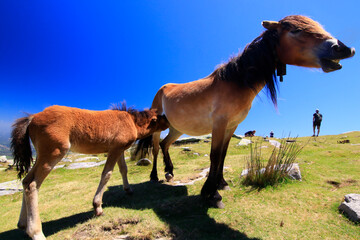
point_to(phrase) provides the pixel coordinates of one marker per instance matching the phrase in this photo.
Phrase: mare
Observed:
(58, 129)
(217, 103)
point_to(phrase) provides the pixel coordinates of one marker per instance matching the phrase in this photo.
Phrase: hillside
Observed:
(293, 210)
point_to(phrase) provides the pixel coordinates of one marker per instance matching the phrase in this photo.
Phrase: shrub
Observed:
(276, 169)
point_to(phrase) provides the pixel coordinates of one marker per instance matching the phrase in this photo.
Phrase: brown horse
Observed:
(58, 129)
(219, 102)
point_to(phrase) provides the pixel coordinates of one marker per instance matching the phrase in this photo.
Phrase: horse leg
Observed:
(31, 184)
(165, 144)
(223, 185)
(123, 171)
(155, 152)
(209, 190)
(105, 177)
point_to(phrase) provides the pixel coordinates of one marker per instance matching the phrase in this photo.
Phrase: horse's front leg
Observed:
(123, 171)
(223, 185)
(209, 190)
(113, 156)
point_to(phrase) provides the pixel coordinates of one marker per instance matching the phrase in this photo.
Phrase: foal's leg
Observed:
(31, 184)
(123, 171)
(155, 152)
(113, 157)
(165, 144)
(223, 185)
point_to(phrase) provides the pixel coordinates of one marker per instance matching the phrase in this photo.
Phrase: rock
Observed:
(66, 160)
(244, 142)
(197, 154)
(143, 162)
(186, 149)
(275, 143)
(10, 187)
(3, 159)
(351, 206)
(86, 158)
(294, 171)
(237, 136)
(85, 165)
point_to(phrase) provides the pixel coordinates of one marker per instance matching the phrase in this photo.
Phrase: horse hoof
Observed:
(129, 191)
(226, 188)
(215, 203)
(21, 226)
(98, 212)
(169, 177)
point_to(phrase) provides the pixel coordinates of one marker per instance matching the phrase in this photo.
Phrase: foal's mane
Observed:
(140, 117)
(256, 64)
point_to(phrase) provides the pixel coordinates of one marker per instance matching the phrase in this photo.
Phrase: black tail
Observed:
(20, 145)
(143, 148)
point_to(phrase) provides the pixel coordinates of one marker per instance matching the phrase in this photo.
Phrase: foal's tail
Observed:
(20, 145)
(143, 148)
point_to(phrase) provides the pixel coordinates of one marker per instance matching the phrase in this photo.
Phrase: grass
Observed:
(275, 170)
(296, 210)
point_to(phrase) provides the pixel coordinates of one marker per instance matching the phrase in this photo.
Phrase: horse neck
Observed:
(255, 67)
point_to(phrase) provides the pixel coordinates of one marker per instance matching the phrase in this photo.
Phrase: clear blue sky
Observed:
(90, 54)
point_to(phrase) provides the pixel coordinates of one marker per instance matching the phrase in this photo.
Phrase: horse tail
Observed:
(143, 148)
(20, 145)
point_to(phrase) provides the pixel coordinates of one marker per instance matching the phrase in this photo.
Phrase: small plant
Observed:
(277, 167)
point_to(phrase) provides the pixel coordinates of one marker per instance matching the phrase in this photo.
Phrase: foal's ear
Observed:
(270, 25)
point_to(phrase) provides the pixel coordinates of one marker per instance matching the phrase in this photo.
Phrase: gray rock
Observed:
(244, 142)
(144, 162)
(351, 206)
(10, 187)
(85, 165)
(293, 171)
(3, 159)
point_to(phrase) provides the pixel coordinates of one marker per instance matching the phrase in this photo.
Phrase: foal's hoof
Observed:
(98, 212)
(129, 191)
(169, 177)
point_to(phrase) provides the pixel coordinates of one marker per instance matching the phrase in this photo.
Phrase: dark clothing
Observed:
(317, 118)
(316, 124)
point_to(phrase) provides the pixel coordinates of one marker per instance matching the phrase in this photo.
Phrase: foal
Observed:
(58, 129)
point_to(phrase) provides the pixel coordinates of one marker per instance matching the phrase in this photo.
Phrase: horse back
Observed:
(82, 130)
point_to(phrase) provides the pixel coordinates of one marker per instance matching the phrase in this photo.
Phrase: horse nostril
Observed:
(337, 48)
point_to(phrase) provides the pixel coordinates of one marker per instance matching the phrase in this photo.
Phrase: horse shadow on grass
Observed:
(186, 215)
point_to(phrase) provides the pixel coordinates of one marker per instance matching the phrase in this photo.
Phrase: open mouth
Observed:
(329, 65)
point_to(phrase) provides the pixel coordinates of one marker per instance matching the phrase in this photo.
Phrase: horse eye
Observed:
(295, 31)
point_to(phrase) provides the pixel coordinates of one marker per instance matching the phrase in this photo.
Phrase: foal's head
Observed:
(148, 122)
(304, 42)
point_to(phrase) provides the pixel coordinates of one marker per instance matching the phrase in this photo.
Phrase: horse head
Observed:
(304, 42)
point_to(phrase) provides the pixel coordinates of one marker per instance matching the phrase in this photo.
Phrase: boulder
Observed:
(351, 206)
(3, 159)
(143, 162)
(293, 171)
(244, 142)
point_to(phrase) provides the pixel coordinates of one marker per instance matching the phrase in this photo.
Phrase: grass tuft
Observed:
(261, 174)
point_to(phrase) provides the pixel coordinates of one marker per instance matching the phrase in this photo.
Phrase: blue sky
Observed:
(90, 54)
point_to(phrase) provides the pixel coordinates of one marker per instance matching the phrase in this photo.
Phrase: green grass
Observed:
(292, 210)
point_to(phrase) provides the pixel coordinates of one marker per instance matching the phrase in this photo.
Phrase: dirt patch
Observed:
(105, 231)
(345, 183)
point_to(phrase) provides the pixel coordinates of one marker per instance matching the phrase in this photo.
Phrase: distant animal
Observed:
(219, 102)
(343, 141)
(58, 129)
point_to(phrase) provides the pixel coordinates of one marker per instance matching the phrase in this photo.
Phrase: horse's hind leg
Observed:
(113, 157)
(123, 171)
(31, 184)
(165, 144)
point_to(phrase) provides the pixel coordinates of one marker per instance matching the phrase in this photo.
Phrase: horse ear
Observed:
(270, 25)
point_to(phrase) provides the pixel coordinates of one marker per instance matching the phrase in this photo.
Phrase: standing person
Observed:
(317, 118)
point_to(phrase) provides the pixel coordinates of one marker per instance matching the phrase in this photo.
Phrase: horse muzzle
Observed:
(331, 52)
